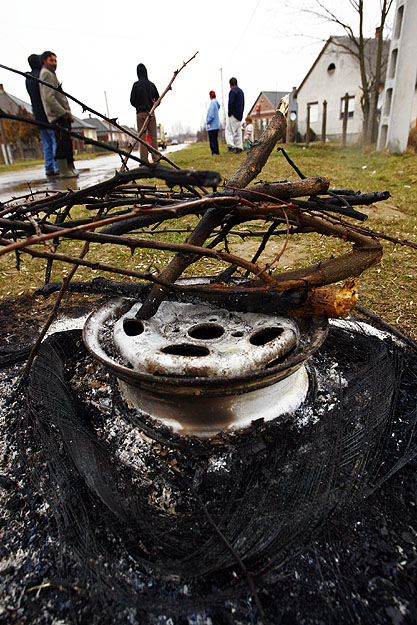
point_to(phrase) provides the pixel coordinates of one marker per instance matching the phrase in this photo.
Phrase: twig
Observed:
(184, 248)
(150, 113)
(386, 326)
(52, 315)
(111, 121)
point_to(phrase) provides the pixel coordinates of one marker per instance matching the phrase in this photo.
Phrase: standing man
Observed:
(47, 134)
(58, 112)
(142, 97)
(235, 115)
(213, 123)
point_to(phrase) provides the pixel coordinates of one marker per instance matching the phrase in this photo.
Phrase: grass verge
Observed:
(389, 289)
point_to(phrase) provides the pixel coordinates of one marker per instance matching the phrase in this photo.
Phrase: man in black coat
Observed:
(143, 95)
(47, 134)
(235, 108)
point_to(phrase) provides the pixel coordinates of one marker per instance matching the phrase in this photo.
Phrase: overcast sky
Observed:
(269, 45)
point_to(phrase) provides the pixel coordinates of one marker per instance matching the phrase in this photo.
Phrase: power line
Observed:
(246, 28)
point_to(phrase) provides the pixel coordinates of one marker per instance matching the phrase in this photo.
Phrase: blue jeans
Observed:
(49, 148)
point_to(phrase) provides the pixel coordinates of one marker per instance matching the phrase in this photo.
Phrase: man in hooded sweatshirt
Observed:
(143, 95)
(58, 112)
(47, 134)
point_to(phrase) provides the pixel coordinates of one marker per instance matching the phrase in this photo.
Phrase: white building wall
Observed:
(332, 85)
(414, 110)
(399, 93)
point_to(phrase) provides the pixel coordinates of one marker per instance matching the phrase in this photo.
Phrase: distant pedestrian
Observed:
(142, 97)
(235, 114)
(213, 123)
(47, 134)
(248, 133)
(58, 112)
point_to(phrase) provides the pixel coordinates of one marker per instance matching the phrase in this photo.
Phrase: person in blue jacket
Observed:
(213, 123)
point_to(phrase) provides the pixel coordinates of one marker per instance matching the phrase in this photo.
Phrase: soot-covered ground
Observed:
(357, 566)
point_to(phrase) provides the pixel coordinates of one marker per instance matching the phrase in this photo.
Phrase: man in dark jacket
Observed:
(47, 134)
(143, 95)
(235, 114)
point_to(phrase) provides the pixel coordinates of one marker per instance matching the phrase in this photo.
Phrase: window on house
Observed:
(331, 68)
(399, 23)
(351, 106)
(314, 111)
(393, 65)
(388, 101)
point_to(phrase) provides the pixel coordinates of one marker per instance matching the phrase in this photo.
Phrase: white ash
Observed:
(366, 328)
(63, 324)
(329, 380)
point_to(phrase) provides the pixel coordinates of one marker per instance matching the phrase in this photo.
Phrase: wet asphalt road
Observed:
(18, 183)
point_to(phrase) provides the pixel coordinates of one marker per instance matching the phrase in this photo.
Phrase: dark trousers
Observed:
(63, 140)
(214, 144)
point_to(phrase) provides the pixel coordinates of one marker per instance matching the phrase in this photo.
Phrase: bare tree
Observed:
(370, 61)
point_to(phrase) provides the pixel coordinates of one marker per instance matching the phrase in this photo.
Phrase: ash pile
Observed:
(112, 516)
(211, 450)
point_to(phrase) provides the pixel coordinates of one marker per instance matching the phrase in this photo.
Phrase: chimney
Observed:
(377, 32)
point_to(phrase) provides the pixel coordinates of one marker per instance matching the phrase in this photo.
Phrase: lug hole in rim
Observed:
(133, 327)
(186, 350)
(266, 335)
(206, 331)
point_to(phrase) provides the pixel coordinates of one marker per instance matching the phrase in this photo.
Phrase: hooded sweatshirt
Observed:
(32, 88)
(144, 93)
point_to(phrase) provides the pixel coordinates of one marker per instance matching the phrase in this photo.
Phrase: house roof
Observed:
(98, 124)
(130, 129)
(11, 104)
(81, 123)
(274, 97)
(346, 44)
(101, 126)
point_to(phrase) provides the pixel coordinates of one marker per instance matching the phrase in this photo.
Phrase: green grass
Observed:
(389, 289)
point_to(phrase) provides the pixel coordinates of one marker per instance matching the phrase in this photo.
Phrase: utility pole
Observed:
(308, 125)
(224, 110)
(345, 118)
(108, 115)
(323, 122)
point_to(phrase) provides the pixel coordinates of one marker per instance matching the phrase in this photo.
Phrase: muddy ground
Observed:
(359, 567)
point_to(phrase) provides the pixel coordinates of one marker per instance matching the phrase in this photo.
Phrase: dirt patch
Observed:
(292, 255)
(383, 210)
(22, 318)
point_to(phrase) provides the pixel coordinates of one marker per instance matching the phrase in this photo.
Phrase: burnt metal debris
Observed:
(157, 523)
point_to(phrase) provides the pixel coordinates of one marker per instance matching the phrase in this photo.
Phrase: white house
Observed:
(334, 73)
(400, 101)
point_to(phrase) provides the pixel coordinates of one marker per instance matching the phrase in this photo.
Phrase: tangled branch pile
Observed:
(118, 210)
